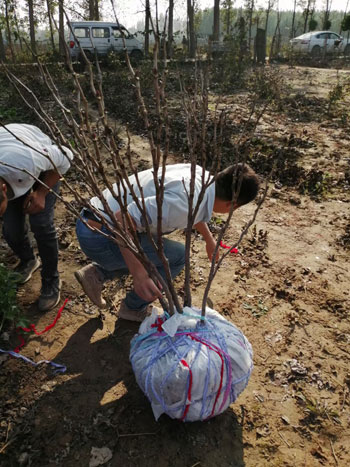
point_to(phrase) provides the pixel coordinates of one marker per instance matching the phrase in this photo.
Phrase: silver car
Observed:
(318, 43)
(101, 38)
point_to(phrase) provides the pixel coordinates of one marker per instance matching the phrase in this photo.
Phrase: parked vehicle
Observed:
(103, 38)
(318, 42)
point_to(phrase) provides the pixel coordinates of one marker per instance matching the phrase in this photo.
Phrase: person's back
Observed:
(175, 204)
(233, 187)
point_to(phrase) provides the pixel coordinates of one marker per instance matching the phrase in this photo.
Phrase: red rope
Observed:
(221, 371)
(189, 392)
(158, 324)
(32, 327)
(233, 250)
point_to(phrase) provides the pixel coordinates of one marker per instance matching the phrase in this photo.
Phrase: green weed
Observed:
(258, 310)
(9, 310)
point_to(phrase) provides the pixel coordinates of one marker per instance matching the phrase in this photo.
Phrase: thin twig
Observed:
(126, 435)
(333, 452)
(345, 392)
(283, 439)
(7, 444)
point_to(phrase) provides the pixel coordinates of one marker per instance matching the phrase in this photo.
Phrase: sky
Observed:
(131, 11)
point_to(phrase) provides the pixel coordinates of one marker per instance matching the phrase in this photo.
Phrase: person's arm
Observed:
(144, 286)
(35, 201)
(210, 241)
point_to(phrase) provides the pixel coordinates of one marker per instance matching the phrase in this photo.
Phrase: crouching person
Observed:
(110, 260)
(27, 154)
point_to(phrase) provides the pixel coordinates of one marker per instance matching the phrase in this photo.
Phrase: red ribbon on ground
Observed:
(38, 333)
(233, 250)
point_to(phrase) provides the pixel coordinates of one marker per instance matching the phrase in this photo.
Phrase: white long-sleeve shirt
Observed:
(39, 156)
(175, 203)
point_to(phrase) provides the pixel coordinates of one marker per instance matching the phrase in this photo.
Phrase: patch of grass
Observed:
(257, 310)
(10, 313)
(317, 410)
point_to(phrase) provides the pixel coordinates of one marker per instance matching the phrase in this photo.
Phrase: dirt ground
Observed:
(287, 290)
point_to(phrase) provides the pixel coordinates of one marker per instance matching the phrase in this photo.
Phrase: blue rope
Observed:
(151, 350)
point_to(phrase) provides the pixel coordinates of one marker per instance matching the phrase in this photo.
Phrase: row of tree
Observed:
(216, 23)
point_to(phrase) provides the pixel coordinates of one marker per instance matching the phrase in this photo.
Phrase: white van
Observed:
(103, 38)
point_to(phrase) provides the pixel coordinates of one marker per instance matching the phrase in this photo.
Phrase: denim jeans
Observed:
(16, 233)
(107, 257)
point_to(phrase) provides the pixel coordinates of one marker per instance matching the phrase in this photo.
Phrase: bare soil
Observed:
(287, 289)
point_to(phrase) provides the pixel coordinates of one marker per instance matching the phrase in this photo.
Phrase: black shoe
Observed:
(50, 295)
(26, 268)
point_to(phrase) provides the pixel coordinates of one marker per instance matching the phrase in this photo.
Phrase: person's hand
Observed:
(210, 247)
(145, 288)
(34, 203)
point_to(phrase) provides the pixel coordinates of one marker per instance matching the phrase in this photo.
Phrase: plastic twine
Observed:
(186, 348)
(58, 368)
(32, 327)
(233, 250)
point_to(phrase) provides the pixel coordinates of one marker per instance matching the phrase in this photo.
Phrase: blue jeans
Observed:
(110, 263)
(16, 233)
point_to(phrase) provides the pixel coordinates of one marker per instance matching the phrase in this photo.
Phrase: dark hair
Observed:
(228, 180)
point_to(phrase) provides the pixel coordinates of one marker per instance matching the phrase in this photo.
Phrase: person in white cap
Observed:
(26, 156)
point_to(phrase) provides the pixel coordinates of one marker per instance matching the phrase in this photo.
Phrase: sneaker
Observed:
(134, 315)
(50, 295)
(89, 278)
(26, 268)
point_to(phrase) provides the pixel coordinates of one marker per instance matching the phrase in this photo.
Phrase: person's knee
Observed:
(178, 255)
(40, 227)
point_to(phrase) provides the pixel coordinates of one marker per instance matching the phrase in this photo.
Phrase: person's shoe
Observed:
(49, 296)
(26, 268)
(133, 315)
(88, 277)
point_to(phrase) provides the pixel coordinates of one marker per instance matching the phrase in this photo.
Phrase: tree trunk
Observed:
(216, 22)
(250, 24)
(191, 33)
(307, 13)
(18, 32)
(269, 5)
(32, 27)
(2, 48)
(326, 16)
(242, 40)
(49, 13)
(228, 16)
(96, 11)
(275, 36)
(346, 9)
(61, 28)
(292, 32)
(8, 31)
(171, 28)
(147, 18)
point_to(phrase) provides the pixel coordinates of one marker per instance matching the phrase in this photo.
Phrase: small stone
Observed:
(100, 456)
(23, 458)
(5, 336)
(285, 419)
(295, 201)
(3, 358)
(45, 387)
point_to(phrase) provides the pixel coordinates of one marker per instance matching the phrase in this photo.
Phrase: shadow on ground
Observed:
(98, 404)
